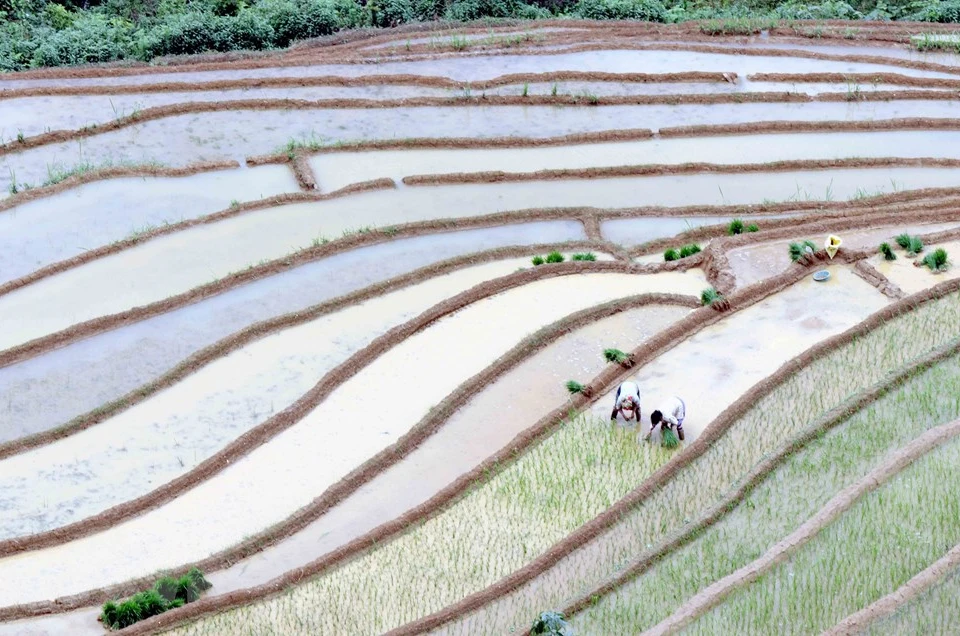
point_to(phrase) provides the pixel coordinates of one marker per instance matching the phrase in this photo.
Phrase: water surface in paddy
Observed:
(182, 139)
(58, 227)
(472, 68)
(178, 262)
(49, 390)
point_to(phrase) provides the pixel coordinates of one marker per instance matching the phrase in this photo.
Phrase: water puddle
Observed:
(47, 391)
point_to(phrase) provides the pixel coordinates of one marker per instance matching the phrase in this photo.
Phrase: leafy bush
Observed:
(588, 256)
(827, 10)
(90, 38)
(464, 10)
(735, 227)
(554, 257)
(887, 252)
(934, 11)
(551, 624)
(646, 10)
(689, 250)
(537, 260)
(671, 255)
(297, 20)
(936, 260)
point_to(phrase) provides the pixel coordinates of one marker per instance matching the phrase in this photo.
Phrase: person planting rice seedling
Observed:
(670, 418)
(627, 402)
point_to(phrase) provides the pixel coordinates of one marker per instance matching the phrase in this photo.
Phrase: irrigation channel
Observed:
(306, 321)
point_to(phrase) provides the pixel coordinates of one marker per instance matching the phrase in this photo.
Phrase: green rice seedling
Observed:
(128, 613)
(587, 256)
(936, 260)
(196, 575)
(887, 252)
(615, 355)
(555, 257)
(537, 260)
(574, 387)
(109, 614)
(689, 250)
(551, 624)
(526, 90)
(187, 589)
(553, 90)
(669, 439)
(735, 227)
(903, 240)
(916, 245)
(166, 587)
(150, 602)
(798, 250)
(708, 295)
(671, 255)
(753, 227)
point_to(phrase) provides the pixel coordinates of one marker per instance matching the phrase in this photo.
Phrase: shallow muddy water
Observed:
(49, 390)
(182, 139)
(338, 169)
(65, 225)
(487, 422)
(276, 479)
(756, 262)
(178, 262)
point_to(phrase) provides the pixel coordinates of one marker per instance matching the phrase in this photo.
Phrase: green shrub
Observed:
(57, 16)
(615, 355)
(551, 624)
(826, 10)
(903, 240)
(645, 10)
(735, 227)
(554, 257)
(671, 255)
(934, 11)
(916, 245)
(91, 38)
(573, 386)
(936, 260)
(537, 260)
(753, 227)
(465, 10)
(390, 13)
(292, 20)
(588, 256)
(689, 250)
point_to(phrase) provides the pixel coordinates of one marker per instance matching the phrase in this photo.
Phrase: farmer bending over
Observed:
(670, 415)
(628, 402)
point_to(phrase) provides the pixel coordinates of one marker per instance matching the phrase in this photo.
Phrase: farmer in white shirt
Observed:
(628, 402)
(670, 414)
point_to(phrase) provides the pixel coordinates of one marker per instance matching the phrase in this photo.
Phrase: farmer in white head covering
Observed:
(628, 402)
(670, 415)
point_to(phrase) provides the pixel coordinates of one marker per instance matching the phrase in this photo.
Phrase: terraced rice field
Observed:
(286, 319)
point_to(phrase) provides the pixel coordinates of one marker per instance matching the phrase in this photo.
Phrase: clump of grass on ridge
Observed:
(555, 257)
(797, 250)
(736, 227)
(887, 252)
(615, 355)
(936, 260)
(689, 250)
(574, 387)
(586, 256)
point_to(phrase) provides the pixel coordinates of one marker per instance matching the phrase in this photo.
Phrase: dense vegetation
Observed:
(38, 33)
